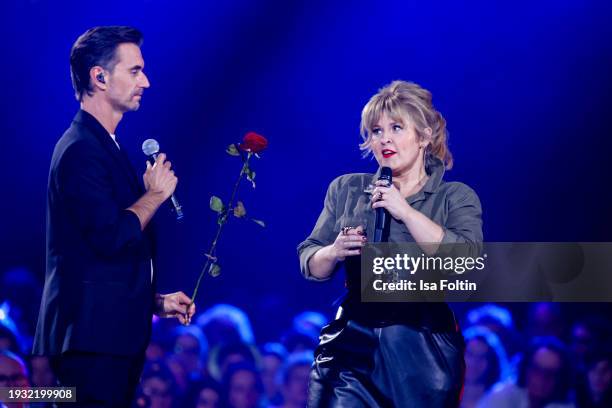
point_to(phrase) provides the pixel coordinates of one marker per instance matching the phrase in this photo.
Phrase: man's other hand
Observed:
(176, 305)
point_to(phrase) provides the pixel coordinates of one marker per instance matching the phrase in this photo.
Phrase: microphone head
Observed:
(386, 174)
(150, 147)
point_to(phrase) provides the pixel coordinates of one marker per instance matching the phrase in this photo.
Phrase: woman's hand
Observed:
(425, 232)
(349, 242)
(391, 200)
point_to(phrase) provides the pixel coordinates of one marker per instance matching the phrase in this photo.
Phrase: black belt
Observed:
(433, 316)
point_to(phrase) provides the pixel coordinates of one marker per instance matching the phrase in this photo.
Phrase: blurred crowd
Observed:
(548, 360)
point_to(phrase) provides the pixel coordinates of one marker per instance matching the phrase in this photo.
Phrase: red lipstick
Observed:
(388, 153)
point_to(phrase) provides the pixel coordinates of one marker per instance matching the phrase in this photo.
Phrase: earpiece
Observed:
(100, 78)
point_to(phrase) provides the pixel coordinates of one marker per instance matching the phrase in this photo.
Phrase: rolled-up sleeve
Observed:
(85, 186)
(323, 233)
(464, 222)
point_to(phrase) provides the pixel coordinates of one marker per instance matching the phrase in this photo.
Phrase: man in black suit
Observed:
(99, 295)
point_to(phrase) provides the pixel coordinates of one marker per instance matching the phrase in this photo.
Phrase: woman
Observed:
(392, 354)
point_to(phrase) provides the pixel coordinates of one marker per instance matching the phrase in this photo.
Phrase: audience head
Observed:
(158, 385)
(8, 335)
(190, 348)
(545, 320)
(224, 323)
(41, 372)
(545, 371)
(599, 377)
(273, 357)
(296, 375)
(205, 393)
(309, 322)
(242, 387)
(485, 357)
(224, 355)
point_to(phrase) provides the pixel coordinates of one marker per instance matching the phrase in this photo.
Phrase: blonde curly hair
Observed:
(407, 98)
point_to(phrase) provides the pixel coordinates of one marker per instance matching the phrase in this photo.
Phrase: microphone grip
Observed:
(379, 227)
(378, 232)
(177, 207)
(382, 217)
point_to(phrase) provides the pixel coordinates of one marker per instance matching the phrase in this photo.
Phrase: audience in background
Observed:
(217, 364)
(157, 384)
(594, 388)
(309, 322)
(8, 335)
(499, 320)
(545, 319)
(226, 354)
(225, 324)
(41, 373)
(485, 364)
(296, 374)
(13, 373)
(242, 386)
(544, 379)
(588, 334)
(273, 356)
(205, 393)
(298, 339)
(189, 354)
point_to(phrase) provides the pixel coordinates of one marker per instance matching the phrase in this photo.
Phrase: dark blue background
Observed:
(524, 86)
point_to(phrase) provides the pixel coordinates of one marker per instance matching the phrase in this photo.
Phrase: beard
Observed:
(130, 105)
(126, 104)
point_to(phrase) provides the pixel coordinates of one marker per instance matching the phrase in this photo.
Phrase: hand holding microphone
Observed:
(159, 177)
(381, 225)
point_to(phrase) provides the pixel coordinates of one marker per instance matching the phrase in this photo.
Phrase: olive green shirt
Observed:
(452, 205)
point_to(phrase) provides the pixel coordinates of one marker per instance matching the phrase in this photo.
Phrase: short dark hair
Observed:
(97, 46)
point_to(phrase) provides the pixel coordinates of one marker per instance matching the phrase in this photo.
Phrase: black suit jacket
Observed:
(98, 295)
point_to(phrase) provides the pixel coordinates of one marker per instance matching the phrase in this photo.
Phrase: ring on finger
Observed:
(345, 230)
(380, 195)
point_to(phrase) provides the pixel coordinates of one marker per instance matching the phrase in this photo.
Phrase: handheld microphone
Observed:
(150, 148)
(382, 216)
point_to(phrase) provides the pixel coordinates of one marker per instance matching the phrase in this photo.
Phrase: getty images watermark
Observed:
(393, 266)
(484, 272)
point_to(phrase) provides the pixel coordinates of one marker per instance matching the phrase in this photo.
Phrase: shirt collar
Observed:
(114, 137)
(435, 170)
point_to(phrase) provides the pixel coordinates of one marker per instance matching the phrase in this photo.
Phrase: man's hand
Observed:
(175, 305)
(160, 182)
(159, 178)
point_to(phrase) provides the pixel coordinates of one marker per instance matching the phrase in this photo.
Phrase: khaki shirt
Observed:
(452, 205)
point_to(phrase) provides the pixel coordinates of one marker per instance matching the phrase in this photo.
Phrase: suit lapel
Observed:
(130, 169)
(118, 155)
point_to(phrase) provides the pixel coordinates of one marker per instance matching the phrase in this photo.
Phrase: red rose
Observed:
(253, 143)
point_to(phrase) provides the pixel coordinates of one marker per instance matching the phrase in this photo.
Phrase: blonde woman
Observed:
(392, 354)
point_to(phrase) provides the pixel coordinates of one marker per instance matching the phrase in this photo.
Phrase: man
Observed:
(99, 295)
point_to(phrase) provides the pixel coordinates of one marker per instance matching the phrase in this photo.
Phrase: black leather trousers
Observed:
(360, 365)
